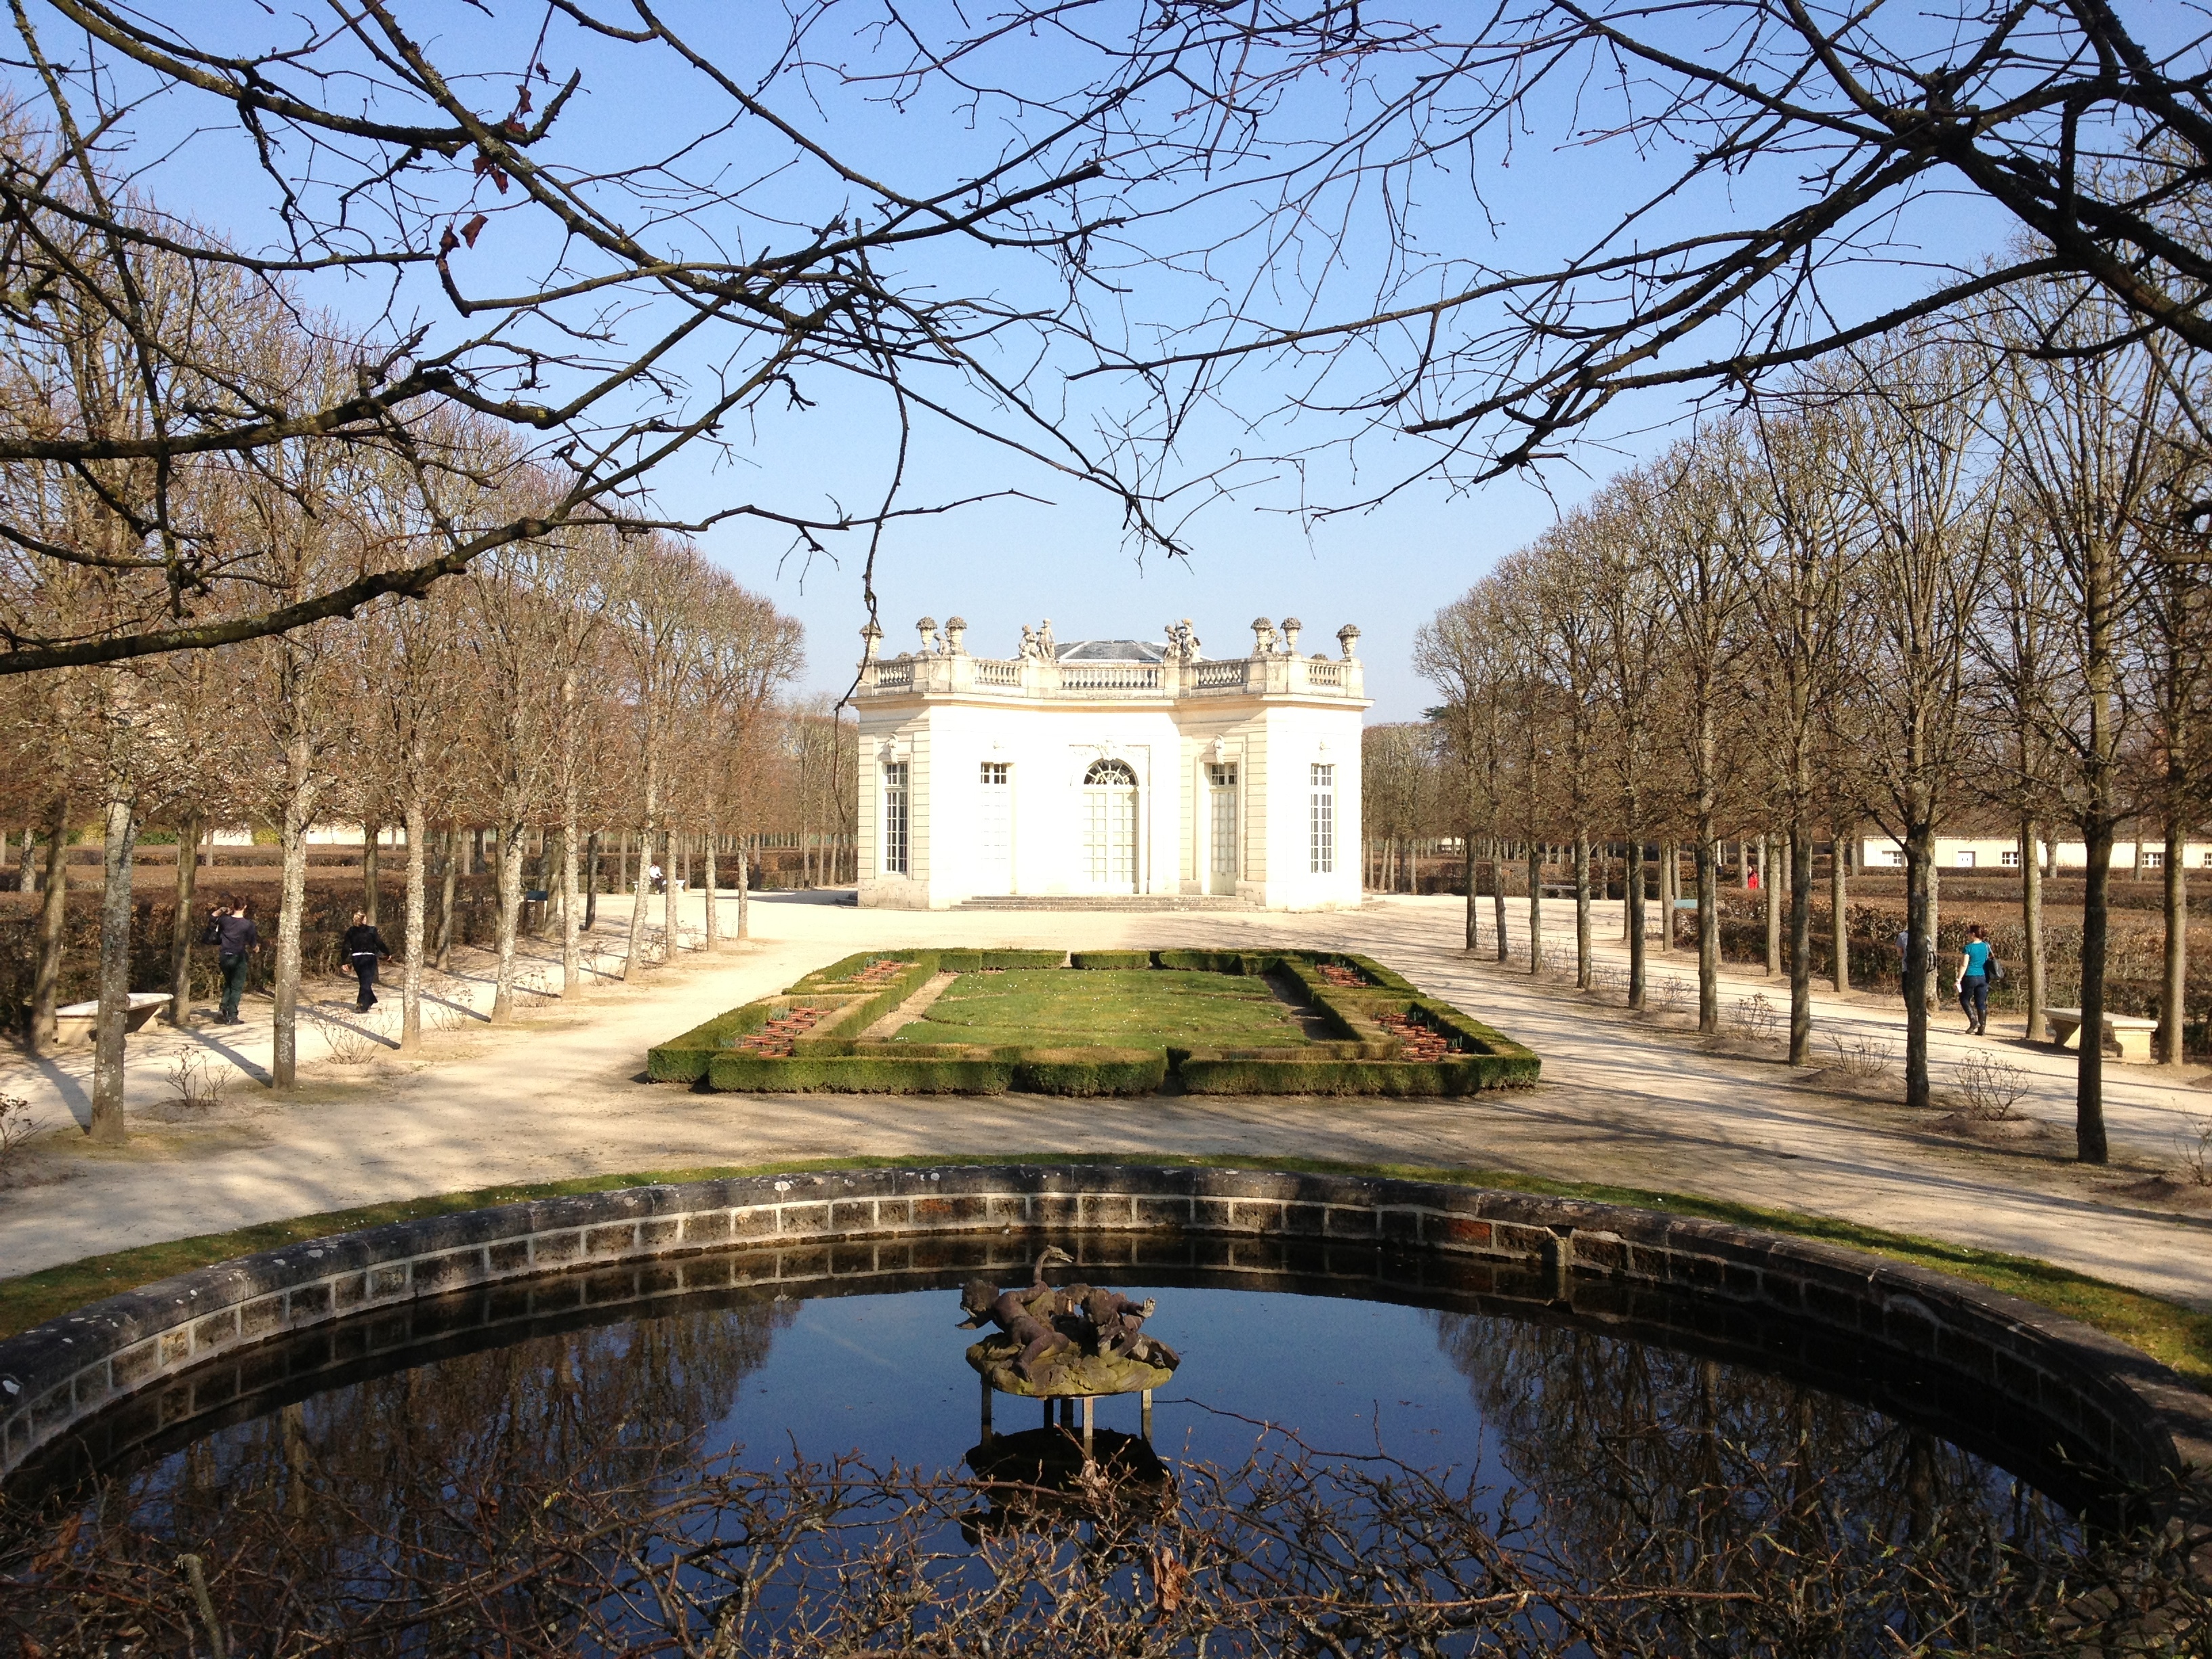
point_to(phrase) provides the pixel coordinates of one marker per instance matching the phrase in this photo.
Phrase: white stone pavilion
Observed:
(1110, 767)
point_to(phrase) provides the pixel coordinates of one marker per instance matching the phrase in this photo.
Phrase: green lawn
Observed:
(1074, 1008)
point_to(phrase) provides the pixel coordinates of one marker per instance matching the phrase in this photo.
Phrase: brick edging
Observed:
(2142, 1419)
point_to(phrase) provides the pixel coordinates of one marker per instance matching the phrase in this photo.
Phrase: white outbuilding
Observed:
(1121, 768)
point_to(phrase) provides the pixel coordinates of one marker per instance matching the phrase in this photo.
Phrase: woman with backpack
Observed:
(1977, 967)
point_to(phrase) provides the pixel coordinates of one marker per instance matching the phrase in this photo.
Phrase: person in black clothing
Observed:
(363, 946)
(231, 930)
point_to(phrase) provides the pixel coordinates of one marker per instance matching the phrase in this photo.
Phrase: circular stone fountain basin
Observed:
(1546, 1362)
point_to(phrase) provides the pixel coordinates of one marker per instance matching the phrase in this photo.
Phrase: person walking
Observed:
(363, 947)
(231, 930)
(1974, 981)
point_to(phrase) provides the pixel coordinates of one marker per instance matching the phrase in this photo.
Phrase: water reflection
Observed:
(758, 1459)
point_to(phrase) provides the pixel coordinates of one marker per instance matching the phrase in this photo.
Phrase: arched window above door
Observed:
(1112, 773)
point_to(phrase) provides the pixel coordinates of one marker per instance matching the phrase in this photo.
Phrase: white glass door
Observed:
(1221, 830)
(1110, 827)
(994, 849)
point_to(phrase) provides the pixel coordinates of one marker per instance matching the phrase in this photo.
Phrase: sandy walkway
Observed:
(561, 1094)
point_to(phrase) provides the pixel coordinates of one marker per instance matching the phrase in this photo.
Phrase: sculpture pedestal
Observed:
(1070, 1378)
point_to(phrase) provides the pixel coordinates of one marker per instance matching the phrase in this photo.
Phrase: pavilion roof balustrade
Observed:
(1269, 673)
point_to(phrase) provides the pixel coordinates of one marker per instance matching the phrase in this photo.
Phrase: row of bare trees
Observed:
(1933, 579)
(562, 688)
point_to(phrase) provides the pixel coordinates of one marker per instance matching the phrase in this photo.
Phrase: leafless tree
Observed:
(1789, 145)
(610, 301)
(1703, 535)
(1914, 465)
(1807, 598)
(2080, 427)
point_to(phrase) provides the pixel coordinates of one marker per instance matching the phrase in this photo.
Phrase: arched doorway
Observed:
(1109, 826)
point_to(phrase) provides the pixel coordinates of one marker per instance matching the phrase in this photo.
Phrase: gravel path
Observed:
(560, 1094)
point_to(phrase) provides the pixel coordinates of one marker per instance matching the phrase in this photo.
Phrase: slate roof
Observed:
(1111, 651)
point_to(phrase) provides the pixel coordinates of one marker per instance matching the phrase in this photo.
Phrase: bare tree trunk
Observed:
(1919, 934)
(449, 877)
(183, 926)
(1472, 920)
(413, 926)
(1707, 860)
(671, 918)
(122, 846)
(1770, 867)
(1633, 899)
(572, 956)
(2173, 997)
(2090, 1145)
(1583, 907)
(713, 933)
(510, 914)
(591, 881)
(642, 897)
(1839, 924)
(1497, 893)
(53, 915)
(1800, 941)
(371, 886)
(284, 1063)
(2031, 923)
(1536, 851)
(1670, 875)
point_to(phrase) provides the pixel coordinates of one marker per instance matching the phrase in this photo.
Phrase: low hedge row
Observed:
(1037, 1071)
(1110, 960)
(1362, 1060)
(1460, 1075)
(685, 1059)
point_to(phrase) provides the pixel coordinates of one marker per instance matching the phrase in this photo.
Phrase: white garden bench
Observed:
(79, 1021)
(2124, 1032)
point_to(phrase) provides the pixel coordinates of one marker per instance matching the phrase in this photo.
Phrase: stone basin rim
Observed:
(2150, 1426)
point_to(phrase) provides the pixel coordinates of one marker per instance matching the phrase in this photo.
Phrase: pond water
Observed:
(795, 1473)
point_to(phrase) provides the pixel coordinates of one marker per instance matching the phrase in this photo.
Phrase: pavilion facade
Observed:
(1109, 767)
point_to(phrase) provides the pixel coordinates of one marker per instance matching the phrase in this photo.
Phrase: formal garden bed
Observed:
(1098, 1023)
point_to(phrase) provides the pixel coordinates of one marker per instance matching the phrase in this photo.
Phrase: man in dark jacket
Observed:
(231, 930)
(363, 945)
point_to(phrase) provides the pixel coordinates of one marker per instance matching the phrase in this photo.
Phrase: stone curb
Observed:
(2145, 1422)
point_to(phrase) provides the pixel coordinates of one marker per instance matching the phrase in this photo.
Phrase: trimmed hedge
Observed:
(1217, 962)
(1393, 1078)
(1364, 1061)
(1091, 1071)
(858, 1074)
(685, 1059)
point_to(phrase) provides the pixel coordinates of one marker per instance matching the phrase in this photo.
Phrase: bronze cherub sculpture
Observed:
(1075, 1340)
(1011, 1312)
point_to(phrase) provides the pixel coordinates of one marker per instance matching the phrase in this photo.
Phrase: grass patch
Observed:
(2176, 1336)
(1146, 1008)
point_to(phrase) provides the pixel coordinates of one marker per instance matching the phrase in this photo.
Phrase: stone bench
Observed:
(2124, 1034)
(79, 1021)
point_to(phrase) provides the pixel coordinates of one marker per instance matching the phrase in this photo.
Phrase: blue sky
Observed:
(1003, 562)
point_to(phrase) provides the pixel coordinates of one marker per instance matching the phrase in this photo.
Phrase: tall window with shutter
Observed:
(1323, 838)
(895, 818)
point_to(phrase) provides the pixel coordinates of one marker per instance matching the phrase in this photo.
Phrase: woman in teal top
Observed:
(1974, 981)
